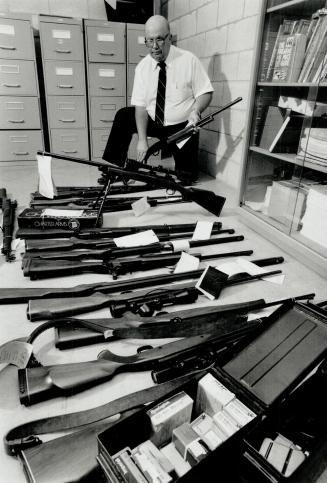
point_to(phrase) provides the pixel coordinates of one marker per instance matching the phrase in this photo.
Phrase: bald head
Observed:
(157, 33)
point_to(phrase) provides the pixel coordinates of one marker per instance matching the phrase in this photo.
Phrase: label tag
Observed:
(105, 37)
(141, 39)
(202, 230)
(107, 73)
(211, 282)
(140, 206)
(62, 213)
(142, 238)
(16, 352)
(186, 263)
(180, 245)
(61, 34)
(7, 29)
(46, 184)
(18, 244)
(64, 71)
(253, 269)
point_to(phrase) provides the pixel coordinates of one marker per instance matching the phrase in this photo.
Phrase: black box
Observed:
(38, 218)
(261, 375)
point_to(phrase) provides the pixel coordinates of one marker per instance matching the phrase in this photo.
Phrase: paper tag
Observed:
(7, 29)
(107, 73)
(46, 185)
(181, 143)
(105, 37)
(18, 244)
(62, 213)
(211, 282)
(253, 269)
(137, 239)
(180, 245)
(141, 39)
(140, 206)
(61, 34)
(16, 352)
(202, 230)
(64, 71)
(187, 263)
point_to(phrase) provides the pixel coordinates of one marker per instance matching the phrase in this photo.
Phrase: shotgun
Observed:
(38, 268)
(8, 220)
(53, 308)
(111, 253)
(73, 243)
(109, 232)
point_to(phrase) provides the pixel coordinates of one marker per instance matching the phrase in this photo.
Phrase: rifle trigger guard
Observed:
(15, 446)
(144, 348)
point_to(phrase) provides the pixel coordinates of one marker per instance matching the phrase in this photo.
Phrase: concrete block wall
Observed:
(222, 34)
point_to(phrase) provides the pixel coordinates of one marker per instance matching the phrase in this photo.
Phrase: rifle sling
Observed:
(23, 436)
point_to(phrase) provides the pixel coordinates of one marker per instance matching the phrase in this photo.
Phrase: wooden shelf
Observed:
(287, 8)
(290, 158)
(291, 84)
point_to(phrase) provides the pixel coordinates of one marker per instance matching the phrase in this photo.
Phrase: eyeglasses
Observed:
(159, 41)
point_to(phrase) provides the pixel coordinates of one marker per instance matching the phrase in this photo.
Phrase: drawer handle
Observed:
(141, 55)
(105, 120)
(65, 86)
(11, 85)
(7, 47)
(63, 51)
(21, 153)
(18, 121)
(67, 120)
(106, 53)
(107, 88)
(70, 152)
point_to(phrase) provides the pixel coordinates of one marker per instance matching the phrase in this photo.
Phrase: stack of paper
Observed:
(313, 145)
(314, 221)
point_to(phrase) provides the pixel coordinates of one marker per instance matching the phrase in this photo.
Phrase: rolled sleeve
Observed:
(138, 93)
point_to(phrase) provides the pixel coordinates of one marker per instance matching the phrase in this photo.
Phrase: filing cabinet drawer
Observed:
(20, 145)
(19, 113)
(136, 48)
(103, 110)
(130, 78)
(99, 141)
(107, 79)
(66, 112)
(73, 142)
(61, 42)
(106, 43)
(16, 39)
(17, 77)
(64, 78)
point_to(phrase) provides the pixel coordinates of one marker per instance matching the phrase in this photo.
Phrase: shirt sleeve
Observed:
(200, 80)
(138, 92)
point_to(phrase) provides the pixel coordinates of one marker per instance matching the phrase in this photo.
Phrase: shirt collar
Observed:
(168, 61)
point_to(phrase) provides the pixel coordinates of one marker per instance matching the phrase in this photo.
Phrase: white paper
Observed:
(180, 245)
(16, 352)
(202, 230)
(46, 185)
(140, 206)
(7, 29)
(112, 3)
(107, 73)
(187, 263)
(62, 213)
(141, 39)
(105, 37)
(181, 143)
(137, 239)
(64, 71)
(61, 34)
(18, 244)
(198, 284)
(242, 265)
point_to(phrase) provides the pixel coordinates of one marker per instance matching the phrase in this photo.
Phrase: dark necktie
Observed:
(161, 94)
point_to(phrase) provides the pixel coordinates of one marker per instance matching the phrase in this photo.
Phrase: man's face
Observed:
(158, 41)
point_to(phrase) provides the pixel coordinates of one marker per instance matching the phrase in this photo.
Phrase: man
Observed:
(171, 89)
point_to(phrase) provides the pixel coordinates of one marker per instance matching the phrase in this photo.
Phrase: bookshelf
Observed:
(284, 189)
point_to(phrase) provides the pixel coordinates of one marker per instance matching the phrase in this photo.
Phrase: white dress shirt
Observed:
(186, 80)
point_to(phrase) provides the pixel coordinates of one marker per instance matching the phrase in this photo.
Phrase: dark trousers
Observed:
(123, 128)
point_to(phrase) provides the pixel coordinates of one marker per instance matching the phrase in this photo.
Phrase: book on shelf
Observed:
(314, 221)
(314, 44)
(313, 145)
(319, 52)
(303, 106)
(263, 99)
(285, 28)
(289, 58)
(287, 202)
(281, 131)
(321, 72)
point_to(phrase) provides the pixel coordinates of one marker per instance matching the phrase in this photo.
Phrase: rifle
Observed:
(85, 233)
(53, 308)
(8, 221)
(41, 246)
(38, 268)
(40, 383)
(119, 252)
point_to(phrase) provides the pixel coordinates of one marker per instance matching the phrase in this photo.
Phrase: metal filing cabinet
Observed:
(136, 51)
(20, 118)
(106, 78)
(62, 47)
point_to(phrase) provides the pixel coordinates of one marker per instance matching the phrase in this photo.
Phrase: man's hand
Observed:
(141, 149)
(194, 117)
